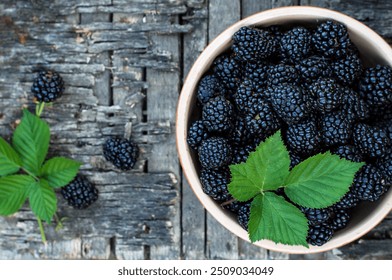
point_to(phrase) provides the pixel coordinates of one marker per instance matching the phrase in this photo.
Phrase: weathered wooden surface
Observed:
(123, 63)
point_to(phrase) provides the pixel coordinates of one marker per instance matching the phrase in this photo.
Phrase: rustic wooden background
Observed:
(123, 62)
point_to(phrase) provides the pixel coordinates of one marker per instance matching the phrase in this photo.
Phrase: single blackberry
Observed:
(348, 201)
(312, 68)
(319, 234)
(385, 166)
(290, 103)
(253, 44)
(349, 152)
(261, 120)
(47, 86)
(218, 114)
(369, 183)
(295, 43)
(335, 128)
(214, 183)
(196, 134)
(281, 73)
(339, 220)
(316, 216)
(215, 152)
(331, 39)
(209, 87)
(229, 71)
(327, 94)
(243, 215)
(303, 137)
(371, 141)
(375, 85)
(245, 92)
(80, 193)
(232, 205)
(241, 153)
(295, 159)
(256, 72)
(354, 106)
(121, 152)
(347, 70)
(239, 134)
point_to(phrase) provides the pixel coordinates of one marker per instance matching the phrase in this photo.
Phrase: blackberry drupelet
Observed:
(316, 216)
(371, 141)
(347, 70)
(369, 183)
(281, 73)
(331, 39)
(290, 103)
(348, 201)
(335, 128)
(327, 94)
(214, 183)
(196, 134)
(243, 215)
(339, 219)
(80, 193)
(47, 86)
(121, 152)
(253, 44)
(354, 106)
(303, 137)
(312, 68)
(214, 153)
(375, 85)
(218, 115)
(349, 152)
(209, 87)
(295, 44)
(318, 235)
(229, 71)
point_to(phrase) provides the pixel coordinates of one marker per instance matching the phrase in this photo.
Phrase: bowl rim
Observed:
(184, 105)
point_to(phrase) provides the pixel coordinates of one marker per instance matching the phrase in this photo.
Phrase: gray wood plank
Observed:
(250, 7)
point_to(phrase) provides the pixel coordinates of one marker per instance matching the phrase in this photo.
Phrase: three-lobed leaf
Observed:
(9, 159)
(59, 171)
(43, 201)
(321, 180)
(274, 218)
(14, 190)
(31, 141)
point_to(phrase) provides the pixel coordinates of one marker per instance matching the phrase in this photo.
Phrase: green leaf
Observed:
(43, 201)
(9, 160)
(321, 180)
(14, 190)
(265, 169)
(275, 219)
(59, 171)
(31, 141)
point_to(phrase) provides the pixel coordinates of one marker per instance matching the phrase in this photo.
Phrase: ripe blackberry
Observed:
(214, 183)
(347, 70)
(369, 183)
(229, 71)
(331, 39)
(385, 166)
(47, 86)
(253, 44)
(327, 94)
(320, 234)
(371, 141)
(312, 68)
(354, 106)
(121, 152)
(316, 216)
(209, 87)
(281, 73)
(80, 193)
(243, 215)
(245, 92)
(348, 201)
(375, 85)
(232, 205)
(241, 153)
(348, 152)
(196, 134)
(215, 152)
(336, 128)
(218, 114)
(256, 72)
(303, 137)
(295, 43)
(290, 103)
(339, 220)
(295, 159)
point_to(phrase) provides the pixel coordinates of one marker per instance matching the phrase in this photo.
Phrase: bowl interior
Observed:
(373, 50)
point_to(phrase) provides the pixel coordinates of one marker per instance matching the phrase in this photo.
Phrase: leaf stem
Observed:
(41, 229)
(39, 108)
(30, 174)
(59, 225)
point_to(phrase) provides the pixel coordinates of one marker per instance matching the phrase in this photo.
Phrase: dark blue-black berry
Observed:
(243, 215)
(229, 71)
(214, 183)
(80, 193)
(47, 86)
(214, 153)
(369, 183)
(349, 152)
(244, 95)
(312, 68)
(209, 87)
(121, 152)
(316, 216)
(335, 128)
(196, 134)
(256, 72)
(347, 70)
(327, 94)
(295, 44)
(281, 73)
(385, 166)
(354, 106)
(348, 201)
(371, 141)
(218, 114)
(303, 137)
(319, 234)
(339, 219)
(241, 153)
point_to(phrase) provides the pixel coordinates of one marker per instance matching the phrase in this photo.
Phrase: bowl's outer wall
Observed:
(373, 50)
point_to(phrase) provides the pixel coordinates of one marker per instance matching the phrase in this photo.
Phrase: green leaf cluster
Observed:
(24, 173)
(317, 182)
